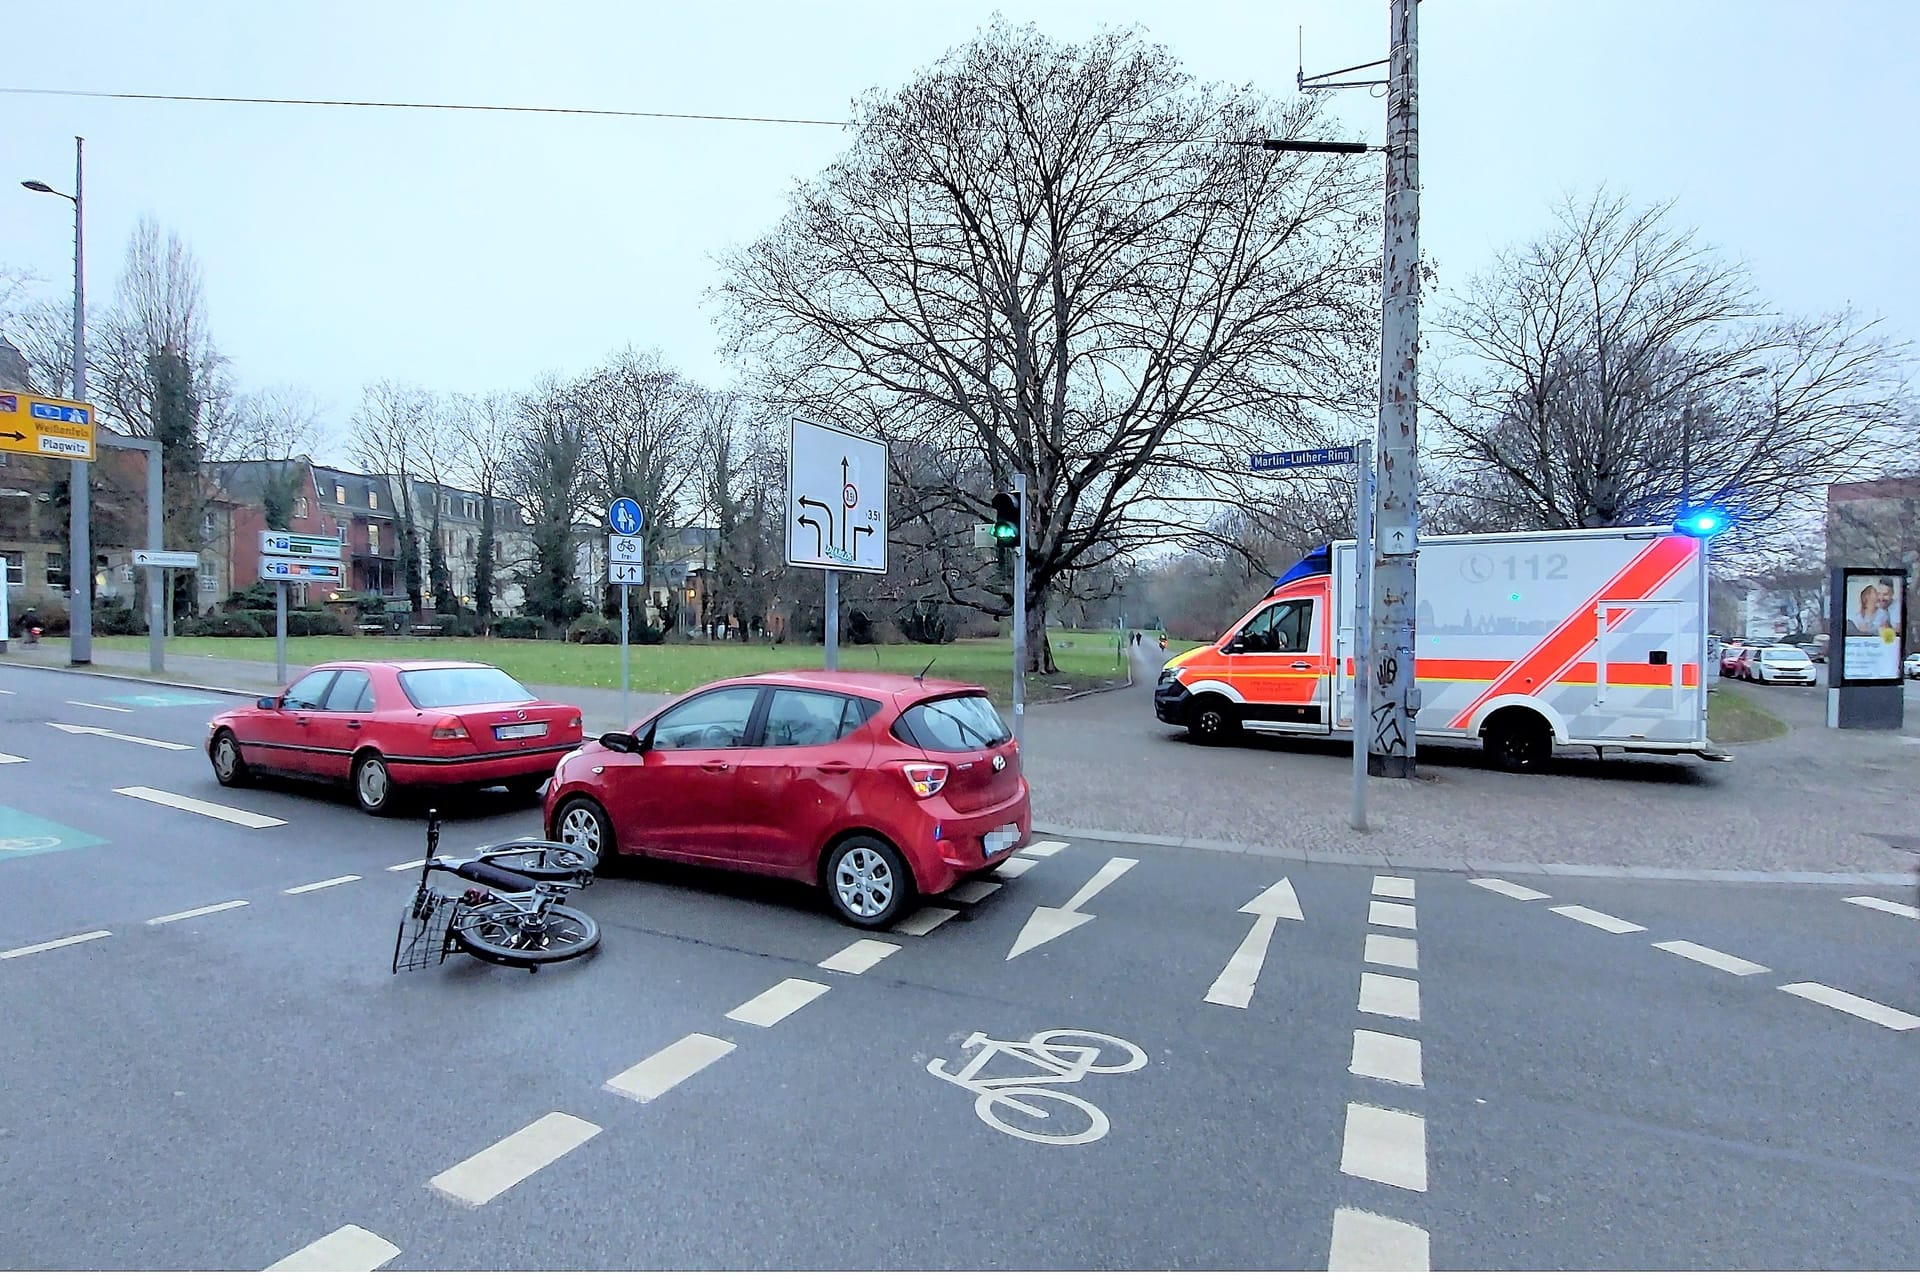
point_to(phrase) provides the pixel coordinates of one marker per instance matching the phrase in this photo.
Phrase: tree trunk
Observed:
(1039, 650)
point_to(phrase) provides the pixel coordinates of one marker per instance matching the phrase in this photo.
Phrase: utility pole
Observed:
(1020, 615)
(1395, 698)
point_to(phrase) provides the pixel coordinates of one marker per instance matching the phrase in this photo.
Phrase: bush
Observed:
(118, 620)
(300, 622)
(237, 624)
(517, 628)
(257, 596)
(454, 624)
(591, 628)
(53, 615)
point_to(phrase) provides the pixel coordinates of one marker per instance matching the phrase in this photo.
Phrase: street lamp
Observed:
(80, 553)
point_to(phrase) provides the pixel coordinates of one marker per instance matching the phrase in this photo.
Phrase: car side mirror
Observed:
(625, 743)
(266, 704)
(1235, 645)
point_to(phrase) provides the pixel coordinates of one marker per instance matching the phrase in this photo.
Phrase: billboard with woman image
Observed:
(1873, 610)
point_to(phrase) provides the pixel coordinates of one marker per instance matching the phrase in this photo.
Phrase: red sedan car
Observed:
(877, 788)
(387, 725)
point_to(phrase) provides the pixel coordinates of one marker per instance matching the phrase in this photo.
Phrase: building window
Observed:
(340, 495)
(469, 546)
(207, 525)
(16, 567)
(299, 508)
(209, 584)
(56, 570)
(373, 539)
(373, 499)
(470, 508)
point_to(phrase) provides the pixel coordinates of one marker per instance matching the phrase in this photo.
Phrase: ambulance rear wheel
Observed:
(1213, 721)
(1519, 741)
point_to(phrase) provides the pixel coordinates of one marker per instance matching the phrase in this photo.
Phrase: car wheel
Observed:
(866, 881)
(372, 785)
(584, 825)
(1519, 742)
(229, 766)
(1213, 721)
(525, 788)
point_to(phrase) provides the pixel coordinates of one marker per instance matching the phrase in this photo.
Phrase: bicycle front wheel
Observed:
(1058, 1124)
(511, 937)
(1059, 1048)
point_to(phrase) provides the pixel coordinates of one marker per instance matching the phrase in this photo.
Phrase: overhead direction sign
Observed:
(624, 517)
(46, 427)
(281, 569)
(154, 559)
(836, 499)
(1292, 459)
(299, 546)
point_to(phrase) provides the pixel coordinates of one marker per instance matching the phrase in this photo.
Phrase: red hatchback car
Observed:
(877, 788)
(386, 725)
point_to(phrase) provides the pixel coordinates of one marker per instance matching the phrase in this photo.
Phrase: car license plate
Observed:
(504, 732)
(1002, 840)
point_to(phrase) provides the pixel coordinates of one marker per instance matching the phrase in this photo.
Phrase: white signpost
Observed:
(626, 565)
(294, 557)
(836, 510)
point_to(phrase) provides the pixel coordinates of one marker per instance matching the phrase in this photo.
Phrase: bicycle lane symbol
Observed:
(1059, 1057)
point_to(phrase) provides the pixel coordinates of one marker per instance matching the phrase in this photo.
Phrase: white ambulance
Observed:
(1524, 641)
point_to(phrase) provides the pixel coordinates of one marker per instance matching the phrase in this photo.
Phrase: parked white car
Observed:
(1913, 666)
(1781, 664)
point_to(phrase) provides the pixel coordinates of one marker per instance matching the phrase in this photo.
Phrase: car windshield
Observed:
(1785, 655)
(461, 687)
(965, 723)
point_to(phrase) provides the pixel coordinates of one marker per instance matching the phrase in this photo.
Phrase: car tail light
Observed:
(925, 779)
(574, 723)
(450, 728)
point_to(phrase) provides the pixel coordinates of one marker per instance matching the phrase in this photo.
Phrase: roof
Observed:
(403, 664)
(246, 478)
(872, 682)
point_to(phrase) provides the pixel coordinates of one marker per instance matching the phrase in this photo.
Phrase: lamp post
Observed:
(80, 552)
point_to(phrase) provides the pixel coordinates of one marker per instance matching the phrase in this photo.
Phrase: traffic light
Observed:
(1702, 522)
(1006, 519)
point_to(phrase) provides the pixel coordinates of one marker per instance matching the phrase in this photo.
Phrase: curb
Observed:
(131, 679)
(1461, 865)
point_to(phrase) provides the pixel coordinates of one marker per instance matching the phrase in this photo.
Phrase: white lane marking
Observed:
(1380, 1056)
(135, 739)
(205, 808)
(1368, 1242)
(1234, 987)
(972, 891)
(348, 1248)
(1014, 868)
(1708, 956)
(1048, 923)
(858, 957)
(1398, 953)
(7, 692)
(99, 706)
(1391, 915)
(1043, 848)
(925, 921)
(1891, 908)
(1519, 892)
(514, 1158)
(782, 998)
(1393, 887)
(1599, 919)
(199, 911)
(1390, 997)
(321, 884)
(1859, 1007)
(673, 1065)
(38, 947)
(415, 865)
(7, 759)
(1385, 1146)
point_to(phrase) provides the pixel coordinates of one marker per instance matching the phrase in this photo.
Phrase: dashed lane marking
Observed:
(199, 911)
(673, 1065)
(1014, 868)
(1891, 908)
(972, 891)
(1043, 848)
(513, 1159)
(1393, 887)
(1368, 1242)
(1598, 919)
(321, 884)
(1390, 997)
(57, 943)
(1715, 959)
(1508, 889)
(1380, 1056)
(7, 759)
(858, 957)
(100, 706)
(1385, 1146)
(1859, 1007)
(205, 808)
(1395, 952)
(348, 1248)
(925, 921)
(785, 997)
(1391, 915)
(415, 865)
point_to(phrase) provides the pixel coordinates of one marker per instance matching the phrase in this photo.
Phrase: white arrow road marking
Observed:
(1234, 986)
(205, 808)
(90, 731)
(1048, 923)
(7, 759)
(347, 1248)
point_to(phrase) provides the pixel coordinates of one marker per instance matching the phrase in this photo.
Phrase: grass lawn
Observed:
(1086, 659)
(1731, 718)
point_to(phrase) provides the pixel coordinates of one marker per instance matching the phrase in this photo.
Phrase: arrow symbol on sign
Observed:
(1048, 923)
(12, 435)
(1234, 986)
(90, 731)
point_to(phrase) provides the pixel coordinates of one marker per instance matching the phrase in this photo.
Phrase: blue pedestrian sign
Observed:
(1289, 459)
(624, 516)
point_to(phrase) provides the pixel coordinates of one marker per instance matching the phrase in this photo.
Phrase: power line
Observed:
(422, 106)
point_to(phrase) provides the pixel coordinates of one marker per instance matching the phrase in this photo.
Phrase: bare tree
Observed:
(547, 470)
(1048, 259)
(484, 425)
(277, 425)
(389, 432)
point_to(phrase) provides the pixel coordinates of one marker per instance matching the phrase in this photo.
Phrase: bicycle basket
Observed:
(426, 932)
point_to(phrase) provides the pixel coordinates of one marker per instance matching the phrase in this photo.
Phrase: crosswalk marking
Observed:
(1043, 848)
(57, 943)
(785, 997)
(1379, 1056)
(673, 1065)
(1396, 952)
(1368, 1242)
(925, 921)
(972, 891)
(1014, 868)
(513, 1159)
(347, 1248)
(1385, 1146)
(1599, 919)
(199, 911)
(205, 808)
(321, 884)
(858, 957)
(1908, 910)
(1858, 1006)
(1390, 997)
(1391, 915)
(1505, 888)
(1393, 887)
(1708, 956)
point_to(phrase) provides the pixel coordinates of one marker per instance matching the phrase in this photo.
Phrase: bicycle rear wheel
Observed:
(506, 935)
(539, 859)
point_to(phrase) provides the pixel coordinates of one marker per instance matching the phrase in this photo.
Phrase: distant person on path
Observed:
(30, 625)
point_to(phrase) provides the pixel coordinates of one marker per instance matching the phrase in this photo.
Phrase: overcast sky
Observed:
(476, 251)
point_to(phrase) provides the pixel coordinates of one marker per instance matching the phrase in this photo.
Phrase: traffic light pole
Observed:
(1020, 613)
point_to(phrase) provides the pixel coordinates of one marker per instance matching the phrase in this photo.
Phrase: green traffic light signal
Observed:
(1006, 519)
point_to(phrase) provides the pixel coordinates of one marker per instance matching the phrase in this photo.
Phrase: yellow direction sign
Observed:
(46, 427)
